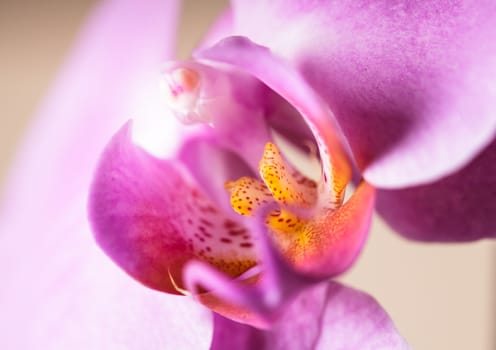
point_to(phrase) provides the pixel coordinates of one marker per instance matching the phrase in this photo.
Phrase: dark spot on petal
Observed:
(206, 222)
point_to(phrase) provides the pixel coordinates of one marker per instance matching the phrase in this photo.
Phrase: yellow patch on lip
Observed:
(309, 234)
(287, 188)
(280, 184)
(284, 221)
(247, 195)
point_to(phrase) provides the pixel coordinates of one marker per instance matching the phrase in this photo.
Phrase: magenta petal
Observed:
(411, 83)
(98, 89)
(151, 217)
(328, 316)
(58, 290)
(460, 207)
(258, 300)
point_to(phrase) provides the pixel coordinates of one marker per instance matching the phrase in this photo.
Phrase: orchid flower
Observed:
(217, 209)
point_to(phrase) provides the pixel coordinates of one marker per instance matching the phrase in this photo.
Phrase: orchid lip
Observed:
(173, 211)
(300, 198)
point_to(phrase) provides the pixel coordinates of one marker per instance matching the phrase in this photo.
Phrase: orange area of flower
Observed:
(331, 233)
(187, 78)
(285, 187)
(333, 237)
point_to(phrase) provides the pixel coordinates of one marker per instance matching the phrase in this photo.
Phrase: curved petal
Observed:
(221, 28)
(335, 238)
(60, 292)
(323, 236)
(259, 62)
(329, 316)
(98, 89)
(411, 83)
(200, 154)
(151, 217)
(459, 207)
(259, 297)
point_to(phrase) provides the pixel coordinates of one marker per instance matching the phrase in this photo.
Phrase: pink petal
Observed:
(336, 237)
(334, 232)
(100, 86)
(60, 292)
(460, 207)
(328, 316)
(151, 216)
(258, 299)
(411, 83)
(200, 155)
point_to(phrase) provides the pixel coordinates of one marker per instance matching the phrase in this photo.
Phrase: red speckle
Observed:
(206, 234)
(206, 222)
(226, 240)
(208, 209)
(237, 232)
(230, 224)
(246, 245)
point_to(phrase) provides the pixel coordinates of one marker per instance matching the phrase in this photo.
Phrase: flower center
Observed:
(305, 210)
(280, 183)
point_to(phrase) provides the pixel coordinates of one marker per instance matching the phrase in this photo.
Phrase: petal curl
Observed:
(457, 208)
(334, 239)
(221, 28)
(328, 316)
(151, 217)
(283, 79)
(411, 83)
(100, 87)
(261, 295)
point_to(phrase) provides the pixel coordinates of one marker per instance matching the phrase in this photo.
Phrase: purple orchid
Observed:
(400, 92)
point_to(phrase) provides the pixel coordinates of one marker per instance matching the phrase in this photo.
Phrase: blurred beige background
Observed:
(440, 296)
